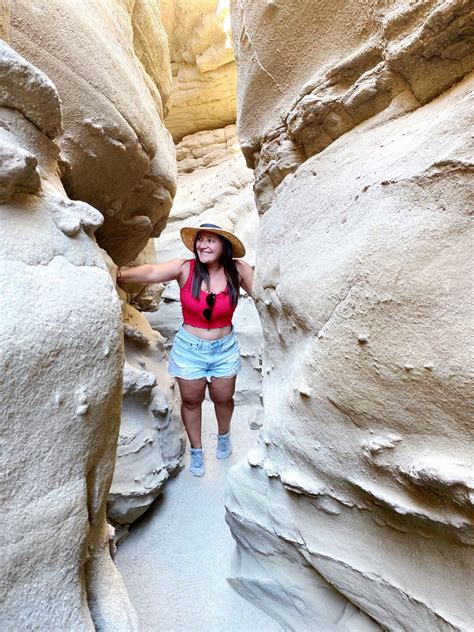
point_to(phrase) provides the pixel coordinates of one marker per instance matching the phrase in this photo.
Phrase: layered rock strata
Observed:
(355, 509)
(394, 58)
(110, 65)
(203, 65)
(61, 378)
(151, 441)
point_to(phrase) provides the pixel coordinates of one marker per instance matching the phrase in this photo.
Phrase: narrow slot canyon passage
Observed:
(177, 557)
(334, 141)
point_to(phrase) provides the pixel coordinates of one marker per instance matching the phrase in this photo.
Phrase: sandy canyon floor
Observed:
(176, 558)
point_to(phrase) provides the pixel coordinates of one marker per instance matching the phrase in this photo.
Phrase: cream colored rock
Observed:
(61, 379)
(151, 442)
(207, 149)
(394, 57)
(204, 72)
(110, 64)
(362, 481)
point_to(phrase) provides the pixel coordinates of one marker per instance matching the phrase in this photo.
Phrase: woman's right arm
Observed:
(152, 273)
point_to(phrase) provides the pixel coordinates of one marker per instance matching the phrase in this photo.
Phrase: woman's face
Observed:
(209, 247)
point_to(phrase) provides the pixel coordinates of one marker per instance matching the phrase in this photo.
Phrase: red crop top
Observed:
(222, 311)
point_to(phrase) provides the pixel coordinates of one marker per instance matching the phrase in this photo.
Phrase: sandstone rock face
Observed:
(213, 179)
(62, 355)
(152, 440)
(203, 65)
(355, 509)
(394, 57)
(112, 69)
(110, 64)
(5, 19)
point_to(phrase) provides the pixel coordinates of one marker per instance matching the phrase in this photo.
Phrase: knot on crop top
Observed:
(193, 308)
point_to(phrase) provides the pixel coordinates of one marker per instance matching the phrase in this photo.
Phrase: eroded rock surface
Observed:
(61, 340)
(355, 509)
(203, 65)
(393, 58)
(151, 441)
(110, 64)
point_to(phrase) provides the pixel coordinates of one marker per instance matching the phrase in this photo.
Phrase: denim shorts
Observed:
(193, 358)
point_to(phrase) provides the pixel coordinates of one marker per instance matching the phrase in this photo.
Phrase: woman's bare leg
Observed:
(221, 391)
(192, 395)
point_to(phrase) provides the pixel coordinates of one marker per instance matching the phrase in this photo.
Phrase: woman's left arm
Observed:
(246, 275)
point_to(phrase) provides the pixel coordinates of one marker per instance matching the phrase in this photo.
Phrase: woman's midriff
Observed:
(207, 334)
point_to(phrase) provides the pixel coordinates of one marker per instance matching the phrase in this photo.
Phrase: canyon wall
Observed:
(111, 66)
(115, 151)
(88, 175)
(203, 65)
(62, 357)
(355, 509)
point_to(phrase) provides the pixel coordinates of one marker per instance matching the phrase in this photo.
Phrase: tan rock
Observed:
(207, 149)
(151, 441)
(362, 479)
(5, 19)
(61, 380)
(150, 43)
(204, 73)
(392, 59)
(115, 152)
(144, 297)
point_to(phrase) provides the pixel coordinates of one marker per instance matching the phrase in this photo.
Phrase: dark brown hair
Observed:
(201, 273)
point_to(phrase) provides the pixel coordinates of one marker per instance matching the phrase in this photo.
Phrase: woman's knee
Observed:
(222, 392)
(192, 402)
(222, 398)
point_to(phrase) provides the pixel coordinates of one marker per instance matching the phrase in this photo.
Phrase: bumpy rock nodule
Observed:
(151, 441)
(116, 153)
(357, 501)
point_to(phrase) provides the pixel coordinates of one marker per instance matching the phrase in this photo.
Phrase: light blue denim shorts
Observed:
(193, 358)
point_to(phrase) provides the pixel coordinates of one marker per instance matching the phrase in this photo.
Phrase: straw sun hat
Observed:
(220, 226)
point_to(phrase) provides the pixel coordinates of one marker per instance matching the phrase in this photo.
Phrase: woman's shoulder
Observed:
(186, 269)
(242, 266)
(245, 272)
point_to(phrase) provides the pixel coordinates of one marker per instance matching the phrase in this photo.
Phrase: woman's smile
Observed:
(208, 246)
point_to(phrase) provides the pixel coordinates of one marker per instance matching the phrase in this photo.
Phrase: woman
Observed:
(205, 350)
